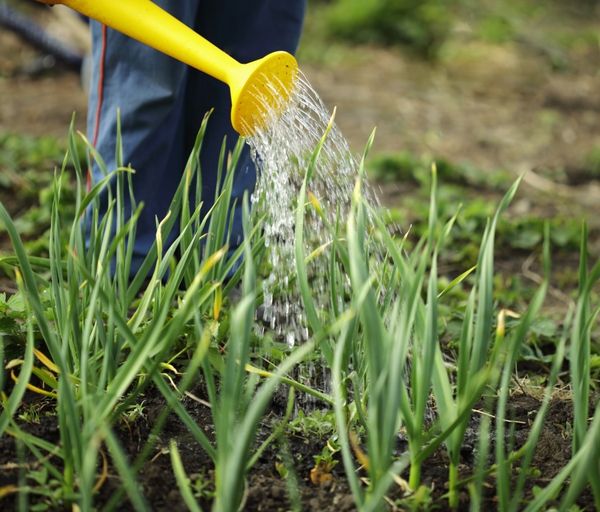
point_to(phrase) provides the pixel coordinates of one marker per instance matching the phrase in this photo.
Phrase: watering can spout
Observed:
(257, 88)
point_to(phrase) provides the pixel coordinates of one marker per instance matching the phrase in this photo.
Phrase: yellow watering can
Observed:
(262, 85)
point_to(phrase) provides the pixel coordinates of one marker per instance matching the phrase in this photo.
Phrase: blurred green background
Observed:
(489, 90)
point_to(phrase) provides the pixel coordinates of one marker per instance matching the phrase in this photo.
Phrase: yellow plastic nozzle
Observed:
(256, 87)
(263, 85)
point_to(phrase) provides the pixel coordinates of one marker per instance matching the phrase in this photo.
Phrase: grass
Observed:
(412, 352)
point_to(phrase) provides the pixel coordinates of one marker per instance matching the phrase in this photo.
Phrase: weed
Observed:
(317, 423)
(320, 474)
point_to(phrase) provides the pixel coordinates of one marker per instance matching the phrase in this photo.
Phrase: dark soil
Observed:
(266, 489)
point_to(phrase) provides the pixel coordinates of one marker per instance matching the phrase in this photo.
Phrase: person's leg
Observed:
(247, 31)
(162, 101)
(147, 87)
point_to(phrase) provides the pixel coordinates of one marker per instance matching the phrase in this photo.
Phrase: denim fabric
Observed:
(162, 101)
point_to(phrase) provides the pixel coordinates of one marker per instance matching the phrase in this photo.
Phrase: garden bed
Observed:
(529, 405)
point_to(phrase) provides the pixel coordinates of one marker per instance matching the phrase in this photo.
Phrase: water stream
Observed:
(282, 151)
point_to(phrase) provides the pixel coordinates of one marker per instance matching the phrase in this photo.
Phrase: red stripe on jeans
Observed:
(100, 98)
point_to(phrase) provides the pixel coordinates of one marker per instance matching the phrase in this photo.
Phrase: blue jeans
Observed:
(162, 101)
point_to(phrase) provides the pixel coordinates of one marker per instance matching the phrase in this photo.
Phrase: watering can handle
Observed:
(146, 22)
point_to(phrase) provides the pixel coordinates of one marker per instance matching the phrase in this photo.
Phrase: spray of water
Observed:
(282, 150)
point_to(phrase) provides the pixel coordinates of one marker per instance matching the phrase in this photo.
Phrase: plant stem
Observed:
(453, 485)
(414, 479)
